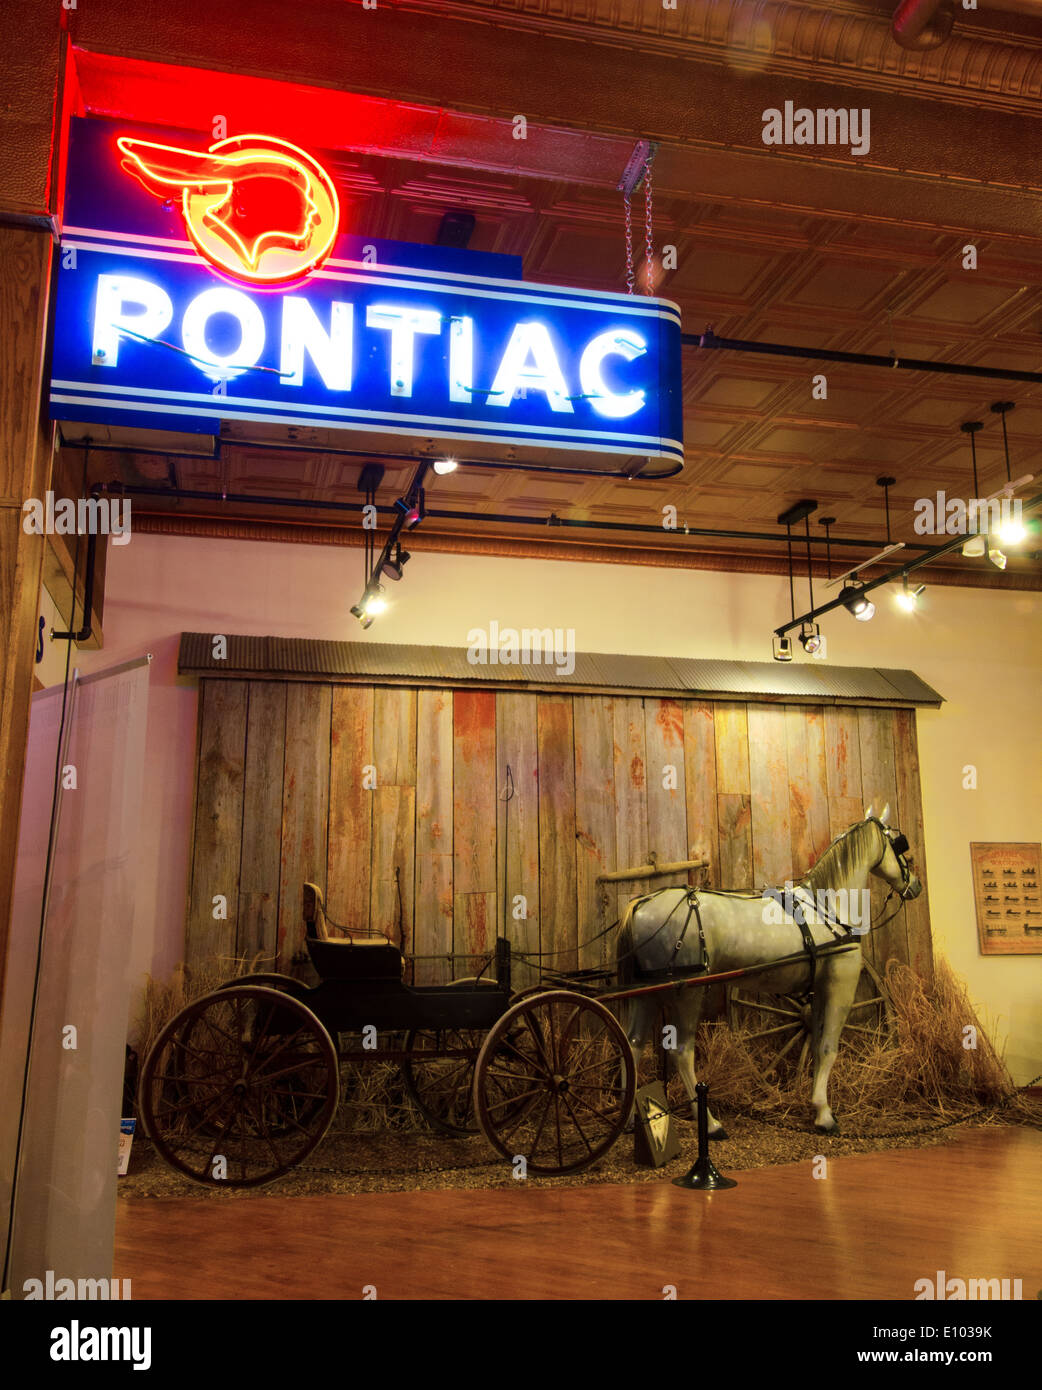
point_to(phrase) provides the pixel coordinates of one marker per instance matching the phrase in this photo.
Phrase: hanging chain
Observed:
(629, 243)
(649, 262)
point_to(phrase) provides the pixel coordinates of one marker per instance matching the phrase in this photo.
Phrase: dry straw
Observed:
(918, 1067)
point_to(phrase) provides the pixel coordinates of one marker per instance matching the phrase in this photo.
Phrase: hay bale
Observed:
(917, 1072)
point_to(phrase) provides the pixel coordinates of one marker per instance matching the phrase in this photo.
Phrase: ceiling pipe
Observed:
(921, 24)
(708, 339)
(117, 489)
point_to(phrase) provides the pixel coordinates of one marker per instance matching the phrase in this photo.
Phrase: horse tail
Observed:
(625, 961)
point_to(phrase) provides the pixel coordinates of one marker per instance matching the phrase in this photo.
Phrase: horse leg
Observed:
(637, 1022)
(833, 996)
(686, 1015)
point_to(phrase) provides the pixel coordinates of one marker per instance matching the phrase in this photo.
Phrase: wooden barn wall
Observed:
(395, 801)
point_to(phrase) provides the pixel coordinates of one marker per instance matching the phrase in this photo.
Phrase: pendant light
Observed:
(1011, 530)
(975, 546)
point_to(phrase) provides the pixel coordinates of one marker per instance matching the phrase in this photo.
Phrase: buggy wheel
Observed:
(555, 1082)
(439, 1076)
(439, 1072)
(285, 984)
(246, 1074)
(776, 1027)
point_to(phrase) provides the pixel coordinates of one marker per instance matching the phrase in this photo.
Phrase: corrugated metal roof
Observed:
(389, 661)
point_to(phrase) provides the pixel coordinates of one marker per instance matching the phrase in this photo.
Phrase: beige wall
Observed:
(979, 649)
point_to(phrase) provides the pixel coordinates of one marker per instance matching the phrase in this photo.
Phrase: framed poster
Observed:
(1008, 897)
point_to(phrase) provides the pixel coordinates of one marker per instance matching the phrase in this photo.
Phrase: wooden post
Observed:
(25, 471)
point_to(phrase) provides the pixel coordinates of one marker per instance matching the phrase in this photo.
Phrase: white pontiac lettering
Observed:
(251, 331)
(155, 310)
(318, 342)
(331, 352)
(403, 324)
(613, 404)
(461, 360)
(543, 374)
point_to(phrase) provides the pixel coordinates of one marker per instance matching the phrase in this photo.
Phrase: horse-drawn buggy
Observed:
(243, 1083)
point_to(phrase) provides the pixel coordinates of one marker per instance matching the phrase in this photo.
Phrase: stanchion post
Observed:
(703, 1175)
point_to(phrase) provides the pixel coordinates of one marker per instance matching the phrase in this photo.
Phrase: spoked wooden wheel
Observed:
(439, 1076)
(247, 1075)
(555, 1082)
(285, 984)
(776, 1027)
(439, 1072)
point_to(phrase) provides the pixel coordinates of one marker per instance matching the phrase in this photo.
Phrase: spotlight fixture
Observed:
(392, 569)
(443, 466)
(799, 511)
(371, 604)
(908, 599)
(996, 556)
(855, 602)
(810, 640)
(1012, 532)
(374, 601)
(413, 509)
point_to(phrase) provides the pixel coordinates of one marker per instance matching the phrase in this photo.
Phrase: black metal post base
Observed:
(703, 1175)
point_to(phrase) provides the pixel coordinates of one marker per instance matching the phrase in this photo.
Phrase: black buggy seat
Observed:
(346, 958)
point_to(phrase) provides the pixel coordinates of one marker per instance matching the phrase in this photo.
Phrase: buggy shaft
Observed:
(798, 958)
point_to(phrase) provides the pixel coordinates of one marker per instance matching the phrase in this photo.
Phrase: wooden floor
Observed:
(877, 1224)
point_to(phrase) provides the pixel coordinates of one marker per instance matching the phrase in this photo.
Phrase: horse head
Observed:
(894, 864)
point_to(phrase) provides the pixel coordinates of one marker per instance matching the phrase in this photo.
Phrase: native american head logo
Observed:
(257, 208)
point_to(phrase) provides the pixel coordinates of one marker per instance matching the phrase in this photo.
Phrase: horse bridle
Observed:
(899, 844)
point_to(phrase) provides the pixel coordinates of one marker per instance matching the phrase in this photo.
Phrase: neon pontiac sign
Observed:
(182, 302)
(257, 208)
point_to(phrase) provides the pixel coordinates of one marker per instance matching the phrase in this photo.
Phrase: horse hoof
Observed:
(832, 1129)
(720, 1133)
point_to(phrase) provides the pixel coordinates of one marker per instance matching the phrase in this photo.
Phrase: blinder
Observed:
(899, 844)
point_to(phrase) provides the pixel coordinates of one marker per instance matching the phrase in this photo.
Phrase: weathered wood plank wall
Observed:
(394, 800)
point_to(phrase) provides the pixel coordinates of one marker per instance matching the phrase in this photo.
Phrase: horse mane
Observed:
(838, 860)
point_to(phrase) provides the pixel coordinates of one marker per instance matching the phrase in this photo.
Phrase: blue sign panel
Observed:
(148, 333)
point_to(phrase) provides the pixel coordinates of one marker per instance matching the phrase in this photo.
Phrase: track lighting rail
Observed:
(934, 553)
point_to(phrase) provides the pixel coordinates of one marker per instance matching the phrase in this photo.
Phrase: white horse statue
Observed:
(681, 931)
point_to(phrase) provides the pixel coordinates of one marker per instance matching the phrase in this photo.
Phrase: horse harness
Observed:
(842, 934)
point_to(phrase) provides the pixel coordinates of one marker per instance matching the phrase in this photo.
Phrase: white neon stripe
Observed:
(380, 417)
(121, 238)
(498, 289)
(147, 408)
(139, 252)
